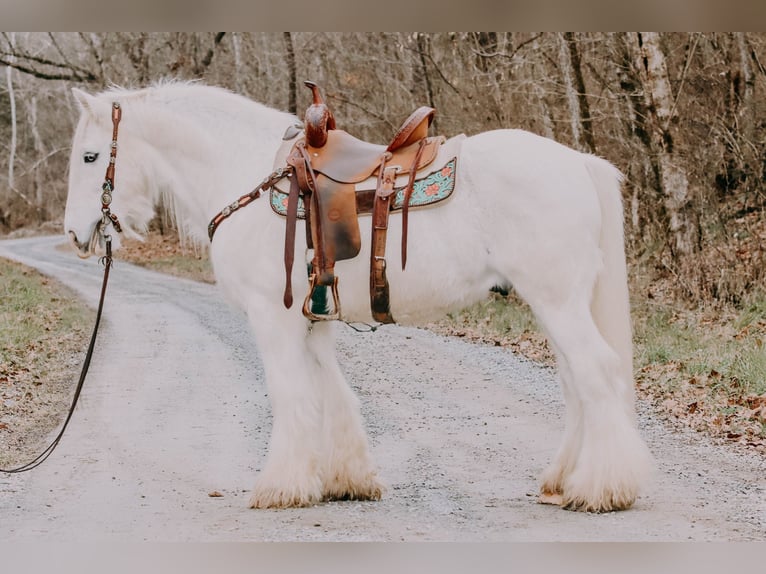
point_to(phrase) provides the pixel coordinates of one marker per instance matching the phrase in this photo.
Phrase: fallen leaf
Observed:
(692, 407)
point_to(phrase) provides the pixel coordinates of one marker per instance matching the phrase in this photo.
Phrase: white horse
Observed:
(526, 212)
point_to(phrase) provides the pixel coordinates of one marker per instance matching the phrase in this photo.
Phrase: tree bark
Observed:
(136, 48)
(422, 43)
(236, 43)
(208, 58)
(37, 141)
(663, 133)
(12, 148)
(579, 110)
(292, 82)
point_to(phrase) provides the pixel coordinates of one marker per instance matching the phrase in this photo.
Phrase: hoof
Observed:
(554, 498)
(276, 499)
(604, 503)
(267, 495)
(369, 488)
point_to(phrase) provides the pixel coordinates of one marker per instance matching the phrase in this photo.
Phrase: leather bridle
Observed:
(108, 187)
(107, 217)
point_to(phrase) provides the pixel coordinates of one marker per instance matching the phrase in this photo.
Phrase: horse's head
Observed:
(88, 163)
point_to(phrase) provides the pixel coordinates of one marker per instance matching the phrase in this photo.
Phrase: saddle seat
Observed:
(347, 159)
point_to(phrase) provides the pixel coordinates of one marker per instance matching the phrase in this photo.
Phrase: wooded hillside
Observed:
(683, 115)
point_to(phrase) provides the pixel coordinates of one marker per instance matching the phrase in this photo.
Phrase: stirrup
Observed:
(336, 301)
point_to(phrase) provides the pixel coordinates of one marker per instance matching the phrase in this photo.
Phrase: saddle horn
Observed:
(318, 118)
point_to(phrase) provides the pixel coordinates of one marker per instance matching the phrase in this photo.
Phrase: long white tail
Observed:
(611, 303)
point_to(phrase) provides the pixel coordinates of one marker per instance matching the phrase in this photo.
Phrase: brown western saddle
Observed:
(327, 164)
(333, 179)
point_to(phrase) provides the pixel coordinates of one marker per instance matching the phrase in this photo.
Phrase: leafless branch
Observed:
(88, 41)
(683, 76)
(42, 160)
(211, 52)
(41, 67)
(362, 108)
(506, 55)
(17, 192)
(436, 67)
(71, 75)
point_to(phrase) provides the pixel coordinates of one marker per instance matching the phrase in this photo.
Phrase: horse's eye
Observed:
(89, 156)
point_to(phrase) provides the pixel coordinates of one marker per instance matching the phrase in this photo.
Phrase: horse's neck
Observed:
(207, 161)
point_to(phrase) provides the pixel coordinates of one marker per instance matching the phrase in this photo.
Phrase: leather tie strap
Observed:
(320, 266)
(292, 216)
(407, 196)
(379, 293)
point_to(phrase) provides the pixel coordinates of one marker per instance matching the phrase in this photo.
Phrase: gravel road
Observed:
(175, 409)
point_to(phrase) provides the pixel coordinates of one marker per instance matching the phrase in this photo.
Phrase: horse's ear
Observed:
(86, 102)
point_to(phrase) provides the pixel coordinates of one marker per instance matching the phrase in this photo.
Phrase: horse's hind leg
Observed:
(603, 460)
(552, 480)
(348, 472)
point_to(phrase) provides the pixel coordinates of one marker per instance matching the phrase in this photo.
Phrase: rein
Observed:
(107, 217)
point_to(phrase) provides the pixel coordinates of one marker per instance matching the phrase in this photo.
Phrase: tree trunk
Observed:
(42, 209)
(423, 49)
(12, 146)
(292, 82)
(540, 96)
(663, 133)
(12, 100)
(237, 45)
(579, 110)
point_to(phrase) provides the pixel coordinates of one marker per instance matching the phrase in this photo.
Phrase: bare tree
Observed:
(236, 43)
(47, 61)
(12, 146)
(574, 84)
(663, 133)
(292, 96)
(423, 49)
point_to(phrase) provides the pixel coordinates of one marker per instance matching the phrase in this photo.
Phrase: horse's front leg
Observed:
(292, 475)
(348, 471)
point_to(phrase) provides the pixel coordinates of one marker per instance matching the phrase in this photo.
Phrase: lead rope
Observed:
(106, 218)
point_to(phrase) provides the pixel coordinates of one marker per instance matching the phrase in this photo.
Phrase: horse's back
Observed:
(523, 155)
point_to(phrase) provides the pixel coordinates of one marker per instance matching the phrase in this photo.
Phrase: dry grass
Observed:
(705, 368)
(44, 334)
(166, 253)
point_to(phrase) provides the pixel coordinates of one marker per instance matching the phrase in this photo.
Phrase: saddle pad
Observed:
(433, 188)
(436, 183)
